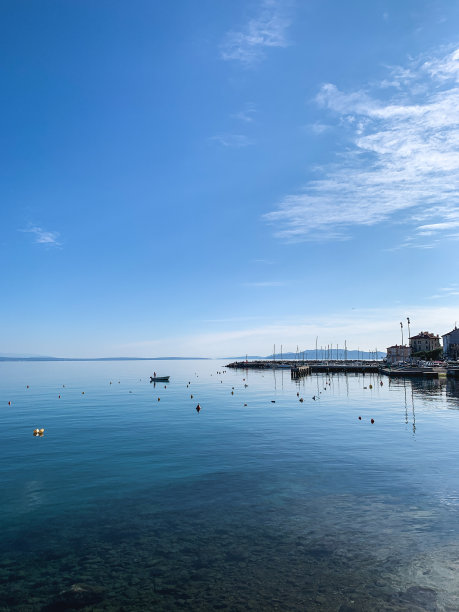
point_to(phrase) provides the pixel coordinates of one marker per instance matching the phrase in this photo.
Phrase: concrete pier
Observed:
(299, 371)
(299, 368)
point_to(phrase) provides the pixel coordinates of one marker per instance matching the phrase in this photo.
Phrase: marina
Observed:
(299, 369)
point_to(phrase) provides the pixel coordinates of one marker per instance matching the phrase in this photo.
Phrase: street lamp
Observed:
(401, 329)
(409, 336)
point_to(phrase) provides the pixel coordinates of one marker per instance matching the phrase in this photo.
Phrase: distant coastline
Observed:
(102, 358)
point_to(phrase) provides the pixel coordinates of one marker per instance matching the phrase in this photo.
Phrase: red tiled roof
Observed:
(424, 335)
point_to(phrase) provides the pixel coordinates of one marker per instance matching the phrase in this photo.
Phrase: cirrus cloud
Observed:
(267, 29)
(401, 163)
(43, 236)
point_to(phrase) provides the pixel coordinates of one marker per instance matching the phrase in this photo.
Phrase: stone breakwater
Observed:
(313, 366)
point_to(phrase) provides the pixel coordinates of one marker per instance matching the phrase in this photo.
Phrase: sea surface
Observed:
(133, 500)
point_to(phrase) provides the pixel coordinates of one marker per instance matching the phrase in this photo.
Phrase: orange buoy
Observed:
(9, 403)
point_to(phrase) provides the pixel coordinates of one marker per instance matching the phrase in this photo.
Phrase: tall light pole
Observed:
(401, 348)
(409, 335)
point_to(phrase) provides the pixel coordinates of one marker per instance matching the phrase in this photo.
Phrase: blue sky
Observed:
(213, 177)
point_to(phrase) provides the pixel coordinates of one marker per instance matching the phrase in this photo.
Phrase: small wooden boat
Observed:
(159, 378)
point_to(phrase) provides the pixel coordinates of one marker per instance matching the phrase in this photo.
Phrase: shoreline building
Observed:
(398, 353)
(425, 341)
(451, 344)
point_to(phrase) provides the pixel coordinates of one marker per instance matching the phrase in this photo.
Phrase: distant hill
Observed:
(37, 358)
(244, 357)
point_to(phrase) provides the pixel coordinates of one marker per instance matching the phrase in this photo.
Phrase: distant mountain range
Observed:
(244, 357)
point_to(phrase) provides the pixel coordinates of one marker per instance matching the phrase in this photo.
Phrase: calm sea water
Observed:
(130, 503)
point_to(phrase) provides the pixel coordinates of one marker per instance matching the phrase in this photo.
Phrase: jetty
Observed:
(413, 372)
(298, 369)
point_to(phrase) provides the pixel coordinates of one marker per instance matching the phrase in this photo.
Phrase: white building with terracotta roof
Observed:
(425, 341)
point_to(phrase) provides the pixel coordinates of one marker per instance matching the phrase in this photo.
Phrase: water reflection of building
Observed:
(451, 344)
(432, 390)
(440, 393)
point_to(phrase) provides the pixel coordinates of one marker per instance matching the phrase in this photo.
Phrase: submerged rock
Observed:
(419, 598)
(78, 596)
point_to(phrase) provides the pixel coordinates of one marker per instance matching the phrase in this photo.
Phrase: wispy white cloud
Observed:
(246, 114)
(446, 292)
(402, 162)
(43, 236)
(318, 128)
(232, 140)
(267, 29)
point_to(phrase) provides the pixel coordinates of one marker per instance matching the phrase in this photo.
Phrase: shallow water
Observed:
(264, 506)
